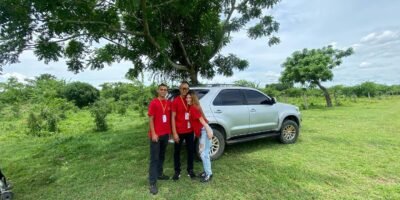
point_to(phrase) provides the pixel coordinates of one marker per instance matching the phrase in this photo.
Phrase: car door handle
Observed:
(218, 111)
(253, 110)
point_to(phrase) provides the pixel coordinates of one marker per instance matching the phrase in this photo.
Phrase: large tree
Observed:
(171, 38)
(313, 66)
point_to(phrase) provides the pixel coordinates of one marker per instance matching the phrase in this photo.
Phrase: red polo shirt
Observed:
(180, 106)
(195, 115)
(158, 108)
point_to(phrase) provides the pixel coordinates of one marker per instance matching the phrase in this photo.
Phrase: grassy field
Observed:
(347, 152)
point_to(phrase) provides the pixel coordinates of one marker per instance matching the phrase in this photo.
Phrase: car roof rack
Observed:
(214, 85)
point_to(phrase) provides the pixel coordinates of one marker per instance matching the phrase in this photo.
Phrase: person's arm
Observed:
(207, 127)
(174, 133)
(154, 136)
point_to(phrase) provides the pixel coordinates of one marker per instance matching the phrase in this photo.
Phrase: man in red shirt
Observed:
(160, 127)
(182, 130)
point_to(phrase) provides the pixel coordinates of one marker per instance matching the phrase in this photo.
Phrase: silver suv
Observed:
(240, 114)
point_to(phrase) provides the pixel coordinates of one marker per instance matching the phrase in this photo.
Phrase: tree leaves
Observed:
(177, 38)
(226, 64)
(312, 65)
(47, 51)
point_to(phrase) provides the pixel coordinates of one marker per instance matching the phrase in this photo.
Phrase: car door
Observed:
(230, 109)
(263, 114)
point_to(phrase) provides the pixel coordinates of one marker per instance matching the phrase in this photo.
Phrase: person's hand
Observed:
(154, 137)
(209, 131)
(210, 135)
(176, 138)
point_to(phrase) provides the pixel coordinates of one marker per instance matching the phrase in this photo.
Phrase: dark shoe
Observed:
(153, 189)
(206, 178)
(176, 176)
(202, 174)
(163, 177)
(191, 174)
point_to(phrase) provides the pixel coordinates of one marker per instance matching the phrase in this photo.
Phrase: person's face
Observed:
(162, 91)
(189, 99)
(184, 89)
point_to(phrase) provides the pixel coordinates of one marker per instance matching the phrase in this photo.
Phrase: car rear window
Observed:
(175, 92)
(201, 92)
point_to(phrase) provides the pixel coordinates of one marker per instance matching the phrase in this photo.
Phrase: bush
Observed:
(99, 111)
(49, 116)
(34, 124)
(46, 122)
(82, 94)
(121, 107)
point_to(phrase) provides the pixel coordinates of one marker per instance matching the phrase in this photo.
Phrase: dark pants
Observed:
(189, 139)
(157, 157)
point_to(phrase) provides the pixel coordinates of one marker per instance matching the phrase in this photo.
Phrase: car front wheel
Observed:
(289, 132)
(217, 144)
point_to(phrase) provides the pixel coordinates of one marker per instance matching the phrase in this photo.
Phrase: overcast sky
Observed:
(372, 28)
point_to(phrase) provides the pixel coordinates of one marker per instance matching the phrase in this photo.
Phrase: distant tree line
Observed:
(48, 100)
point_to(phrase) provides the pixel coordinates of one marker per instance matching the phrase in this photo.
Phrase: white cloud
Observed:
(365, 64)
(381, 37)
(18, 76)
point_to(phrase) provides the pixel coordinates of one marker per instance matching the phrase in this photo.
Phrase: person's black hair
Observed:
(184, 82)
(162, 85)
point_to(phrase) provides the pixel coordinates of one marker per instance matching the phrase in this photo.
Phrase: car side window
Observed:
(229, 97)
(255, 98)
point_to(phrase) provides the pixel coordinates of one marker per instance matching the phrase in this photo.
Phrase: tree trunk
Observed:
(193, 76)
(326, 94)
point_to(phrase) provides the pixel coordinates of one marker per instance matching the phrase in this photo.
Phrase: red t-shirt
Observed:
(161, 112)
(195, 115)
(179, 105)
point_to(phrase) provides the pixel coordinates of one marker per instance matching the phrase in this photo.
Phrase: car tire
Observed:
(289, 132)
(217, 144)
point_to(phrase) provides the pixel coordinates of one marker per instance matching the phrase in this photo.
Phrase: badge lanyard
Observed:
(164, 116)
(186, 113)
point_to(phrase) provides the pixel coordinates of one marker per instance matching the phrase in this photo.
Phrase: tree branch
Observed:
(32, 46)
(224, 28)
(153, 41)
(184, 50)
(116, 43)
(162, 4)
(137, 33)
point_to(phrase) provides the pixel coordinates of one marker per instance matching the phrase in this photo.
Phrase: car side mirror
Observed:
(273, 100)
(270, 101)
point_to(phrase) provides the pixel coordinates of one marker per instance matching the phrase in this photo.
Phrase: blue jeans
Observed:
(204, 150)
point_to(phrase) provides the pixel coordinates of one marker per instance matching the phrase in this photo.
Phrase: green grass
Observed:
(347, 152)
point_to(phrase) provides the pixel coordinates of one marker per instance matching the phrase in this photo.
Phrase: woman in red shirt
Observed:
(201, 129)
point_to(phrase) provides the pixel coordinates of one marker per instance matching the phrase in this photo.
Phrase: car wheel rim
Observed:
(289, 132)
(214, 146)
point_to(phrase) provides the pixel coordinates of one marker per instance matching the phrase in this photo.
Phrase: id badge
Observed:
(164, 118)
(188, 125)
(186, 116)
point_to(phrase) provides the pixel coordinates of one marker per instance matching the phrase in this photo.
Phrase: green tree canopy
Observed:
(171, 38)
(82, 94)
(313, 66)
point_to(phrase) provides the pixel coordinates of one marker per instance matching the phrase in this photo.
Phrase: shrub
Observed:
(50, 118)
(121, 107)
(99, 111)
(82, 94)
(34, 124)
